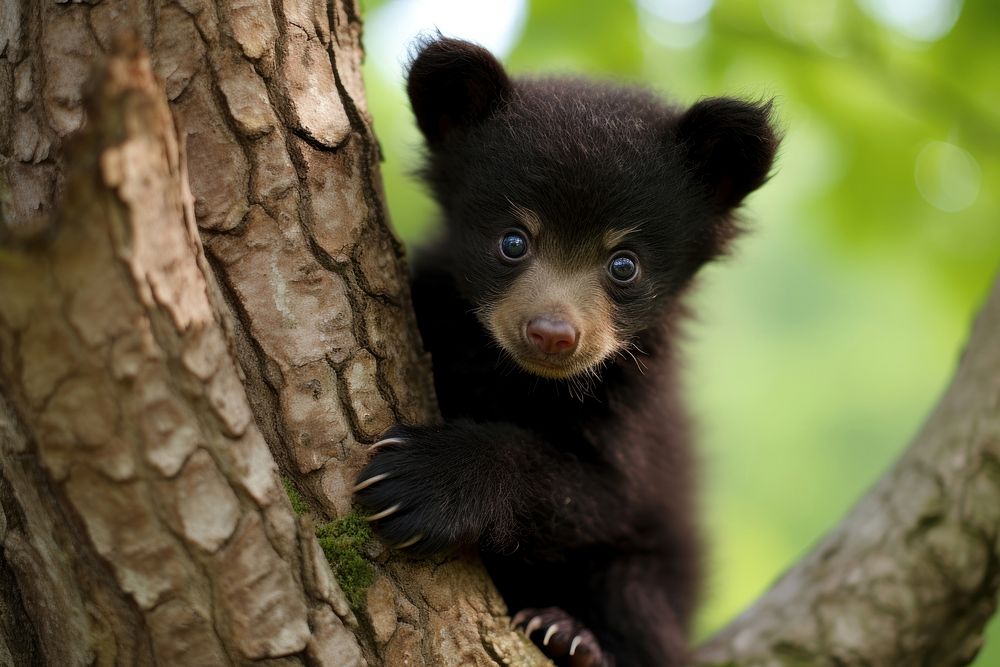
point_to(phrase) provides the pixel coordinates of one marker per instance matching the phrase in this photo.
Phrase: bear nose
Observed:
(552, 335)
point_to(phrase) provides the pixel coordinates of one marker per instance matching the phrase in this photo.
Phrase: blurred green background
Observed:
(821, 346)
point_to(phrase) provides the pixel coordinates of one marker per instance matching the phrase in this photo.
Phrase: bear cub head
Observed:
(576, 212)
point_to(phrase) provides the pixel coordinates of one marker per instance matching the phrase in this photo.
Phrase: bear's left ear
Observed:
(453, 85)
(729, 145)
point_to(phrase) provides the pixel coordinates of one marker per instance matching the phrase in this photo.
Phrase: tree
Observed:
(910, 576)
(205, 307)
(143, 516)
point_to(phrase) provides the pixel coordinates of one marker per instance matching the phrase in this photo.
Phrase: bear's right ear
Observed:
(729, 145)
(454, 84)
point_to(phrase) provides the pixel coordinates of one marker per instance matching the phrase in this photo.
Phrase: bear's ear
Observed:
(454, 84)
(729, 145)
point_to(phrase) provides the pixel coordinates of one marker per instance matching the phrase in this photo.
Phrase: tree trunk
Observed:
(162, 475)
(144, 520)
(151, 390)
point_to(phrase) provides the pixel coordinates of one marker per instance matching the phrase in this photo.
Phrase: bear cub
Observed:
(575, 216)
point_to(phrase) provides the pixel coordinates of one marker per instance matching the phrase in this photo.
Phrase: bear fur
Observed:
(564, 455)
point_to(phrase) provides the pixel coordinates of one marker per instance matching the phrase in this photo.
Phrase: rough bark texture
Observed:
(283, 169)
(910, 576)
(142, 519)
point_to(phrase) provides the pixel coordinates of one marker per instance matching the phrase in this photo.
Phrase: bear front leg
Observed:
(429, 489)
(432, 488)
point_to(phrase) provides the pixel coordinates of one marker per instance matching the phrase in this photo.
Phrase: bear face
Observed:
(580, 210)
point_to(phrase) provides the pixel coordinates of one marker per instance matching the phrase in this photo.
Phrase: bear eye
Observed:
(623, 268)
(513, 245)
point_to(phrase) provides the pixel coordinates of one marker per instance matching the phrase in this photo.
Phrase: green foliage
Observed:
(342, 542)
(821, 347)
(599, 40)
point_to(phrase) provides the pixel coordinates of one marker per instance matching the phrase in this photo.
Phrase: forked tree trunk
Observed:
(141, 514)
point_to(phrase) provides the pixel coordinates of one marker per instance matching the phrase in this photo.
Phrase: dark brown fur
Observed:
(579, 489)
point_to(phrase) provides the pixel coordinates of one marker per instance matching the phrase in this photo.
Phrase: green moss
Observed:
(299, 505)
(342, 542)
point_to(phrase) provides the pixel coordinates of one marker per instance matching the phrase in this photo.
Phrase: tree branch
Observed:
(910, 576)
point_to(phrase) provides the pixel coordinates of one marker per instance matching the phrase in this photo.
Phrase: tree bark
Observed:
(283, 171)
(143, 519)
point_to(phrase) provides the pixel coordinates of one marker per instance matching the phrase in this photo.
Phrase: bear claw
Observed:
(410, 542)
(383, 514)
(368, 482)
(385, 442)
(566, 641)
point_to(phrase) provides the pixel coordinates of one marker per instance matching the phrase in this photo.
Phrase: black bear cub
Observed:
(576, 215)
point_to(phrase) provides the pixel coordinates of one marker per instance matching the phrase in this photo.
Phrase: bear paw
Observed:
(413, 493)
(561, 638)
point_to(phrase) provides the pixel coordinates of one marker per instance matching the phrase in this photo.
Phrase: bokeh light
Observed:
(678, 11)
(948, 177)
(390, 29)
(926, 20)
